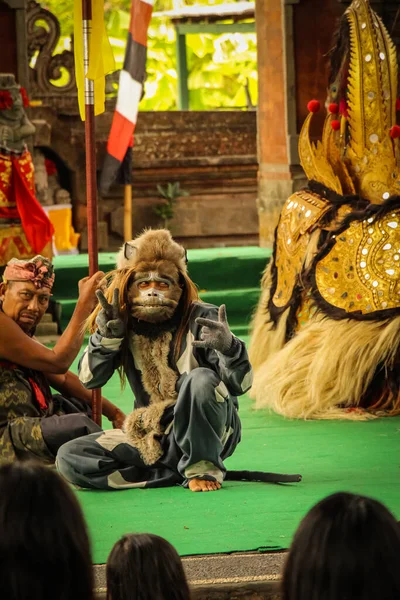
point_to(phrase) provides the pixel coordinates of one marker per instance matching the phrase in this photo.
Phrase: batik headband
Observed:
(38, 271)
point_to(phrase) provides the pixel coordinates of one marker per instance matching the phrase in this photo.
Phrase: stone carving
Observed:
(48, 189)
(48, 67)
(15, 126)
(25, 230)
(41, 179)
(61, 196)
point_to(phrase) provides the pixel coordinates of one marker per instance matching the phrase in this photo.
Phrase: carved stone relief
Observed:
(48, 66)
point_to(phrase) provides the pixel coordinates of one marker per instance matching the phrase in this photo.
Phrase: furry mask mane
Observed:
(153, 246)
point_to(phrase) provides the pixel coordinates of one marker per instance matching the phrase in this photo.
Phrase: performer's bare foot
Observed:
(203, 485)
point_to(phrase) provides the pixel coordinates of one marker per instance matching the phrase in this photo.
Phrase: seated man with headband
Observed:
(33, 423)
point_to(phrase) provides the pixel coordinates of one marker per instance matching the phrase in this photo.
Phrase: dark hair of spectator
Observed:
(145, 567)
(44, 545)
(346, 547)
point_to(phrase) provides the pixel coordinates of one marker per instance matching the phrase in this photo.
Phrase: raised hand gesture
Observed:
(215, 334)
(87, 291)
(109, 321)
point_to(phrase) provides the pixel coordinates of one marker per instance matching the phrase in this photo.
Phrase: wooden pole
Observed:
(91, 184)
(127, 212)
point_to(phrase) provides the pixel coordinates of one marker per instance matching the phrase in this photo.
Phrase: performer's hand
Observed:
(118, 419)
(215, 334)
(113, 413)
(87, 291)
(109, 321)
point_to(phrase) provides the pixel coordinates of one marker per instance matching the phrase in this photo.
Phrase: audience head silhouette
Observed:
(44, 545)
(346, 547)
(145, 567)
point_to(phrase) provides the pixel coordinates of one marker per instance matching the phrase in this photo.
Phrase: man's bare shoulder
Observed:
(5, 321)
(9, 330)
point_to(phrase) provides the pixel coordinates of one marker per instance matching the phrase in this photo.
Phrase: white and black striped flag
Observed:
(119, 147)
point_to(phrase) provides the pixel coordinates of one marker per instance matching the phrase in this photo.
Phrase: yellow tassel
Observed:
(78, 56)
(101, 59)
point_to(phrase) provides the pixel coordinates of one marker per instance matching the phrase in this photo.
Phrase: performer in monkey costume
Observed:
(326, 337)
(185, 369)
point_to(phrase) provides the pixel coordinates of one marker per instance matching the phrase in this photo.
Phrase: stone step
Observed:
(252, 590)
(256, 590)
(47, 331)
(48, 340)
(47, 318)
(46, 328)
(240, 575)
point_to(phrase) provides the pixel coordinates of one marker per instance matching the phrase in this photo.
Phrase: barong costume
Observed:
(326, 340)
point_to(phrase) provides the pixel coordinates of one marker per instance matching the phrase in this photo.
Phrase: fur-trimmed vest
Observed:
(143, 426)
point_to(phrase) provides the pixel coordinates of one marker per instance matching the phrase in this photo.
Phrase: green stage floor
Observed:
(332, 456)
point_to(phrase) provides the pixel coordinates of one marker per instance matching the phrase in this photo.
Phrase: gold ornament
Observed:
(370, 157)
(362, 270)
(299, 216)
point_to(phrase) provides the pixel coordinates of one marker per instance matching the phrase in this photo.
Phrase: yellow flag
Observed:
(78, 55)
(101, 59)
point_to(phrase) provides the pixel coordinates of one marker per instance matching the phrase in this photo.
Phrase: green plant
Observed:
(170, 193)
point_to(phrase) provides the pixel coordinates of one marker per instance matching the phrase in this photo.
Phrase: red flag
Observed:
(130, 93)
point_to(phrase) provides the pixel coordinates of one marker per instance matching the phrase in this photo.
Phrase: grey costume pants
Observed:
(205, 429)
(72, 420)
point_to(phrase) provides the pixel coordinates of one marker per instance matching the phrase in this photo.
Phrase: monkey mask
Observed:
(158, 267)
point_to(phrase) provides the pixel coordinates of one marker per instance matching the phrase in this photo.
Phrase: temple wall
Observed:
(211, 154)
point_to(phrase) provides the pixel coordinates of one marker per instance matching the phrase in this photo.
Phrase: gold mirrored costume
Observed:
(326, 333)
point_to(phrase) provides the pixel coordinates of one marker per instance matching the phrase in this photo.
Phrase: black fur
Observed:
(154, 330)
(340, 49)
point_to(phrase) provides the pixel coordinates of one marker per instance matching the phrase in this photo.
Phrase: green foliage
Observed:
(222, 68)
(170, 193)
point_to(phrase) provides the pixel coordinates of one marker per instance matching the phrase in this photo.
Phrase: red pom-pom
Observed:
(51, 168)
(6, 100)
(335, 125)
(314, 106)
(25, 99)
(395, 132)
(333, 108)
(398, 104)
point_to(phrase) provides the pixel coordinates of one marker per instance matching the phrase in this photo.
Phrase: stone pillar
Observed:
(15, 59)
(293, 38)
(277, 134)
